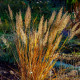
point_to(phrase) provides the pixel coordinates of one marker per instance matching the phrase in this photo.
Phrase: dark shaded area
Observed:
(8, 71)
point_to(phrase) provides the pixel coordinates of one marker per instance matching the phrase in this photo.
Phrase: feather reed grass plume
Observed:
(52, 18)
(10, 12)
(19, 23)
(40, 27)
(58, 17)
(38, 50)
(27, 18)
(45, 26)
(73, 31)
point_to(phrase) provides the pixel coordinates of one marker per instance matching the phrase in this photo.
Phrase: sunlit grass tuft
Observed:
(37, 49)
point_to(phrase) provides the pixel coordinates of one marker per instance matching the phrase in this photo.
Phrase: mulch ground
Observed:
(8, 71)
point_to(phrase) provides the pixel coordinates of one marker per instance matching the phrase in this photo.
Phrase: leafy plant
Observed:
(5, 27)
(8, 51)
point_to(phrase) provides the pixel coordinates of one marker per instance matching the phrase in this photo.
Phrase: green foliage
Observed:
(71, 4)
(71, 1)
(6, 27)
(43, 8)
(77, 53)
(8, 54)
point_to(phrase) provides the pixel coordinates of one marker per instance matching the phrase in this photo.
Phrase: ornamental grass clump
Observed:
(37, 49)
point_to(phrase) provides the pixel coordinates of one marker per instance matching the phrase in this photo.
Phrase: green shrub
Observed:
(8, 53)
(6, 27)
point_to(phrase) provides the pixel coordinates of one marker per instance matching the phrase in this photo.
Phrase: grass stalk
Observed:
(36, 61)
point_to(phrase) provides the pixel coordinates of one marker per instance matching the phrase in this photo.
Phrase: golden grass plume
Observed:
(10, 12)
(36, 50)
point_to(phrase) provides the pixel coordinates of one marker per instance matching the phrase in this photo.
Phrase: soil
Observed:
(8, 71)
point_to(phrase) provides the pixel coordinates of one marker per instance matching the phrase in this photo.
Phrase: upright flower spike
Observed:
(56, 44)
(45, 26)
(27, 18)
(56, 28)
(23, 36)
(73, 31)
(64, 16)
(58, 17)
(19, 23)
(45, 38)
(74, 27)
(51, 18)
(72, 34)
(40, 28)
(20, 20)
(63, 23)
(10, 12)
